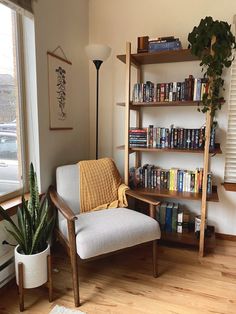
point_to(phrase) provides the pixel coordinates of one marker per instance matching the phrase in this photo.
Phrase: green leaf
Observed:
(40, 229)
(18, 240)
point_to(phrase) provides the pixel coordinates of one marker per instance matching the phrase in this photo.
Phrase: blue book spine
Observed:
(180, 181)
(159, 46)
(169, 217)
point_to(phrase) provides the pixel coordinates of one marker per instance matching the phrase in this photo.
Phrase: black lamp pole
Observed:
(97, 64)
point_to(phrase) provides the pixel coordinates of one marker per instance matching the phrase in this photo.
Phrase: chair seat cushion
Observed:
(109, 230)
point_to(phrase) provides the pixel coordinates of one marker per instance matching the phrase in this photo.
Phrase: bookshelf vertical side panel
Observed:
(127, 111)
(206, 166)
(138, 120)
(204, 183)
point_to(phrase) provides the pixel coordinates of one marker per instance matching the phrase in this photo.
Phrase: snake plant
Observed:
(35, 220)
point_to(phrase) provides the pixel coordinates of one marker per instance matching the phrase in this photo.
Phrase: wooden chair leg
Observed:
(74, 264)
(49, 264)
(75, 278)
(154, 258)
(21, 286)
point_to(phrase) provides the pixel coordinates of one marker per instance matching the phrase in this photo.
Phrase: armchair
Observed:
(97, 233)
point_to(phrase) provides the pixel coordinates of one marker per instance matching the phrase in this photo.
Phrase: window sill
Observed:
(229, 186)
(11, 205)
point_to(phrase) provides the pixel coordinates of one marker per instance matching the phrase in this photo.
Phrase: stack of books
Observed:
(174, 179)
(172, 218)
(190, 89)
(173, 137)
(164, 43)
(138, 137)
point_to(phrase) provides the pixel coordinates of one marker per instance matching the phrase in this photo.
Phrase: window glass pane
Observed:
(10, 157)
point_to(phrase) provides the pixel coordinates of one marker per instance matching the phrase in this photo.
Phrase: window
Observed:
(11, 164)
(230, 157)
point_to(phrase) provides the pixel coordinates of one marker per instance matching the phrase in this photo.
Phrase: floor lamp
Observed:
(97, 53)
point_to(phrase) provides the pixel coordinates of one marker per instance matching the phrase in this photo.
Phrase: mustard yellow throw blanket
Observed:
(100, 185)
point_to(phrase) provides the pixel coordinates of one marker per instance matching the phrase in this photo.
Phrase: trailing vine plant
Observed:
(212, 42)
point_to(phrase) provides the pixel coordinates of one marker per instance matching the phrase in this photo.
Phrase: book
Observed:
(190, 87)
(164, 45)
(168, 223)
(186, 221)
(163, 215)
(174, 217)
(162, 92)
(180, 215)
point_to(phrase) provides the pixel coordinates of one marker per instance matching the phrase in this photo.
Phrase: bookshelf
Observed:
(138, 60)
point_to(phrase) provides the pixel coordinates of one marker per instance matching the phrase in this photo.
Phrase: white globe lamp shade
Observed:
(98, 52)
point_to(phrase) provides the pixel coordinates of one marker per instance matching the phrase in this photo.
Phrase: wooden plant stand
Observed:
(21, 282)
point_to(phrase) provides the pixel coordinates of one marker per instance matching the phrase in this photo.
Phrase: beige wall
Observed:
(64, 23)
(115, 22)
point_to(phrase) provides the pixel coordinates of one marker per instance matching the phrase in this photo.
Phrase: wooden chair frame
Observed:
(70, 244)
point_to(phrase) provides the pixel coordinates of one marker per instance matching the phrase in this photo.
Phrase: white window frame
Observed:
(21, 108)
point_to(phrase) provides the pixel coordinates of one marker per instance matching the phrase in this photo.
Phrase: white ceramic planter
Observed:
(34, 268)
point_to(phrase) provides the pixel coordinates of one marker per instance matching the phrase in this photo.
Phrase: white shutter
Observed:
(230, 158)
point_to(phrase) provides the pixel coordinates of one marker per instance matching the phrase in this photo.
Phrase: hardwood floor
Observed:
(124, 284)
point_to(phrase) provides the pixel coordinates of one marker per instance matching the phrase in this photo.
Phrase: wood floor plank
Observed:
(123, 284)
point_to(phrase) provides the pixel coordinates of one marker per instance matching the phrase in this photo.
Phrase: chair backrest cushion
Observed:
(67, 178)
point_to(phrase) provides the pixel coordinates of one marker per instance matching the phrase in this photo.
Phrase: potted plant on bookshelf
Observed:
(212, 42)
(35, 222)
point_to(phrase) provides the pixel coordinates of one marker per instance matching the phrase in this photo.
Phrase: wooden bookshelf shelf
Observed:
(138, 59)
(185, 103)
(164, 193)
(190, 238)
(216, 150)
(137, 105)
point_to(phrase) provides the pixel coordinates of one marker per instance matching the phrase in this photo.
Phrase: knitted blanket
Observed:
(100, 185)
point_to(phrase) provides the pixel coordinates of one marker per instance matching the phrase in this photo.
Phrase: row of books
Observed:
(150, 176)
(173, 218)
(190, 89)
(172, 137)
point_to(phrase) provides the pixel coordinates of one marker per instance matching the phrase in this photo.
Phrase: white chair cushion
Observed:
(109, 230)
(68, 186)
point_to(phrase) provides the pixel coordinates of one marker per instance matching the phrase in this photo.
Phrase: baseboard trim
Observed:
(223, 236)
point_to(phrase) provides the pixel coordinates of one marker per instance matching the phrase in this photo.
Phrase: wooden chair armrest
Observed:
(61, 205)
(141, 197)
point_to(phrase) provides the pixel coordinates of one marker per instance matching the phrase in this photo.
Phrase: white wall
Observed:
(115, 22)
(64, 23)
